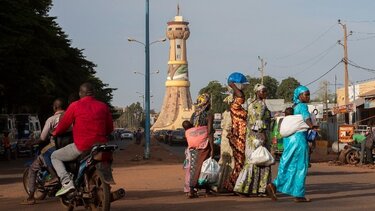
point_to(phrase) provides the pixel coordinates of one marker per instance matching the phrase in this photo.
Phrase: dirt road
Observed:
(156, 184)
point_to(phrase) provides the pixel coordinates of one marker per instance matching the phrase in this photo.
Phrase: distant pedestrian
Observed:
(6, 144)
(294, 160)
(138, 136)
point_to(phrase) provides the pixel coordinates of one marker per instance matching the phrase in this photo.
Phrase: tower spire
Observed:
(178, 9)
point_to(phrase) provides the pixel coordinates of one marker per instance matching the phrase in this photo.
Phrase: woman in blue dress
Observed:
(293, 165)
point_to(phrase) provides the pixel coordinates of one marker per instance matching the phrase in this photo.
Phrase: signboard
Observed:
(343, 109)
(317, 110)
(369, 103)
(346, 133)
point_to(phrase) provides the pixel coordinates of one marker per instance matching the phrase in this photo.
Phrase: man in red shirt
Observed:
(92, 123)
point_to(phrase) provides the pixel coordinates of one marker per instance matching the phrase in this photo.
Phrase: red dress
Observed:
(237, 139)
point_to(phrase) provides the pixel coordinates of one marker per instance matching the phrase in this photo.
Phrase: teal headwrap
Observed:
(299, 90)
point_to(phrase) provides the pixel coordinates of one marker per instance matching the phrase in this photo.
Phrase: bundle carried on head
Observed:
(238, 79)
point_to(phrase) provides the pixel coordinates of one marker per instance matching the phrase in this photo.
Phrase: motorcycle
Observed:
(351, 153)
(92, 180)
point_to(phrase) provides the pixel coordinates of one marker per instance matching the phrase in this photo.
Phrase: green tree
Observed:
(286, 89)
(323, 93)
(37, 61)
(217, 92)
(270, 82)
(132, 117)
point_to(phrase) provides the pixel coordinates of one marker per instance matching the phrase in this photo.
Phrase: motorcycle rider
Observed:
(92, 123)
(369, 145)
(44, 159)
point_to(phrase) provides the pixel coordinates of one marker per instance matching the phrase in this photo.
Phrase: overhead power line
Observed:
(363, 32)
(320, 55)
(365, 21)
(324, 74)
(308, 45)
(364, 38)
(360, 67)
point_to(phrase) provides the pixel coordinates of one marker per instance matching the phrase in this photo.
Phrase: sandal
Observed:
(192, 195)
(302, 199)
(28, 202)
(271, 191)
(242, 195)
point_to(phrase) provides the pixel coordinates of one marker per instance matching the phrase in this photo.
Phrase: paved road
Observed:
(157, 185)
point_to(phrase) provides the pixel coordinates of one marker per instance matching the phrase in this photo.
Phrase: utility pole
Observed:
(346, 74)
(326, 99)
(147, 83)
(261, 68)
(335, 91)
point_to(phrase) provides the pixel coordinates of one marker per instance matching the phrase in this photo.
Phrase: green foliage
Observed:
(323, 93)
(217, 92)
(286, 89)
(37, 61)
(268, 81)
(132, 117)
(272, 84)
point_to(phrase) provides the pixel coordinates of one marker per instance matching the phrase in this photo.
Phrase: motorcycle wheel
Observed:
(39, 194)
(101, 193)
(352, 157)
(67, 206)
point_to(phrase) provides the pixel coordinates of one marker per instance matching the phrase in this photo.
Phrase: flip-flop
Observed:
(302, 199)
(28, 202)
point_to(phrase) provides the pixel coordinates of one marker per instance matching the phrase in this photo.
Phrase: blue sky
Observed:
(296, 37)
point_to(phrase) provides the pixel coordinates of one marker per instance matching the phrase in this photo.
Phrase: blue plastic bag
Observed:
(311, 135)
(237, 77)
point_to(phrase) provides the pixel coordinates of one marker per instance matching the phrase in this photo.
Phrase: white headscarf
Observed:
(258, 87)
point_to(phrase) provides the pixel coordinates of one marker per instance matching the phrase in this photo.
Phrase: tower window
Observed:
(178, 46)
(179, 29)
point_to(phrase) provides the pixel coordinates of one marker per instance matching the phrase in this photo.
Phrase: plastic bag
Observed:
(209, 172)
(311, 135)
(292, 124)
(238, 79)
(261, 157)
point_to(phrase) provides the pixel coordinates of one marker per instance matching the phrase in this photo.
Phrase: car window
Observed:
(178, 132)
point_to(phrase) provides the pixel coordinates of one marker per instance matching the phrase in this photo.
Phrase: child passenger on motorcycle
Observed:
(44, 159)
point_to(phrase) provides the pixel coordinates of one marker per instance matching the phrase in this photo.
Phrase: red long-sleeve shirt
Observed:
(92, 122)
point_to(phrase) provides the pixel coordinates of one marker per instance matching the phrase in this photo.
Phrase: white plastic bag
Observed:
(292, 124)
(261, 157)
(209, 172)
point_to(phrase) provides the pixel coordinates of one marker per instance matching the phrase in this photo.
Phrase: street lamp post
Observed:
(143, 99)
(147, 79)
(136, 72)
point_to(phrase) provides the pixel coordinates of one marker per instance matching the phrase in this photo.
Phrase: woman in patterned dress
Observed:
(237, 135)
(200, 117)
(253, 179)
(226, 161)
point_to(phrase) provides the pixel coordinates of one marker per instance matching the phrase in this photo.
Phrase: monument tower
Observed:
(177, 104)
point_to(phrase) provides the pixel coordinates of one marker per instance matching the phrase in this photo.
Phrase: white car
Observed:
(127, 135)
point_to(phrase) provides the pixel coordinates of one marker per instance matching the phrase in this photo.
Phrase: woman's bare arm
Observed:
(236, 91)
